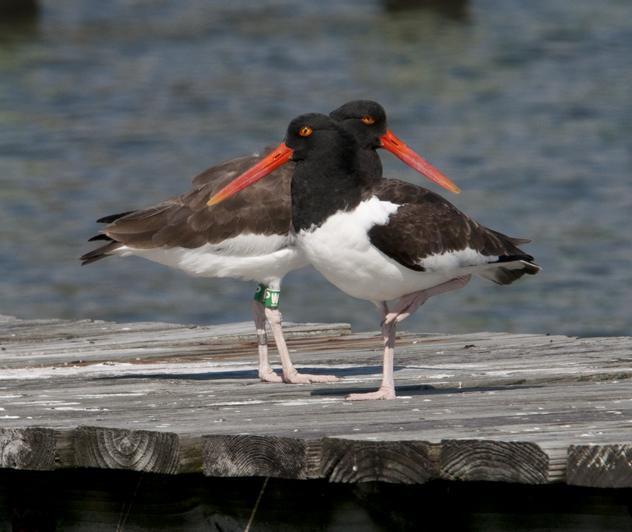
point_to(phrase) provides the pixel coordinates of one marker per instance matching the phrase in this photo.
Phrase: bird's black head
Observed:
(315, 135)
(364, 119)
(327, 176)
(341, 144)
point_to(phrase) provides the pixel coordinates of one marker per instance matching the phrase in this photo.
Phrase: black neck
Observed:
(369, 164)
(322, 186)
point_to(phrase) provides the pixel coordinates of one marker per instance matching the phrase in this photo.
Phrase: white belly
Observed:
(340, 249)
(260, 258)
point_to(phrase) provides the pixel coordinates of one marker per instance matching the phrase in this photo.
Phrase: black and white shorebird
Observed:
(380, 239)
(249, 236)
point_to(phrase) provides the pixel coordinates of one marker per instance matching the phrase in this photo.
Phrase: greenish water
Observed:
(526, 105)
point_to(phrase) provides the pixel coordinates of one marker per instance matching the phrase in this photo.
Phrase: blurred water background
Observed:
(109, 106)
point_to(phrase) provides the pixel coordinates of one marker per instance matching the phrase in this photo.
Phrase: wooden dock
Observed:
(173, 399)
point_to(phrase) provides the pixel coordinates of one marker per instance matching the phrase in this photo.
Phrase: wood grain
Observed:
(404, 462)
(478, 460)
(136, 450)
(254, 456)
(603, 466)
(173, 398)
(30, 448)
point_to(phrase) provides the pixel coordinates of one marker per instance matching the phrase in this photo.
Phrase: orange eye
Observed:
(368, 120)
(305, 131)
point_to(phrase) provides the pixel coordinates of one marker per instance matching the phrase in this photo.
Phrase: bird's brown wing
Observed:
(187, 221)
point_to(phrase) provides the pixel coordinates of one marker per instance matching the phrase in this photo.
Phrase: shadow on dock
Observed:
(426, 389)
(248, 374)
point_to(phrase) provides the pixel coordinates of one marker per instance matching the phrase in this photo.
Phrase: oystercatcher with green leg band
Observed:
(248, 236)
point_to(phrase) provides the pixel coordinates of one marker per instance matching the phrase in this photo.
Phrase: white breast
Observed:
(340, 249)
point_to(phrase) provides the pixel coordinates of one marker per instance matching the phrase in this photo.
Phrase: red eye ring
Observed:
(368, 120)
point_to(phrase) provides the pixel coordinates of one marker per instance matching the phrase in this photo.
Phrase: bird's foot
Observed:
(382, 393)
(268, 375)
(395, 317)
(295, 377)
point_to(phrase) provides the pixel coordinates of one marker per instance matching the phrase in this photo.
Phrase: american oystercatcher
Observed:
(380, 239)
(248, 237)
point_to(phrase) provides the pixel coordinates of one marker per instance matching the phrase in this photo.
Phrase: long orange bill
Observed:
(277, 157)
(415, 161)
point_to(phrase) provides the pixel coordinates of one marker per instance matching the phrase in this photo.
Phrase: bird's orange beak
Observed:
(282, 153)
(277, 157)
(398, 148)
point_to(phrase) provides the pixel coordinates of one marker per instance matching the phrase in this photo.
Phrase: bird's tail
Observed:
(107, 249)
(509, 268)
(100, 252)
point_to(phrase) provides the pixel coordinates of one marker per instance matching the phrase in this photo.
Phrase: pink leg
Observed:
(266, 373)
(406, 306)
(387, 389)
(290, 374)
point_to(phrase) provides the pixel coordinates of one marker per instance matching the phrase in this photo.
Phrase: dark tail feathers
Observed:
(105, 250)
(113, 217)
(514, 267)
(99, 253)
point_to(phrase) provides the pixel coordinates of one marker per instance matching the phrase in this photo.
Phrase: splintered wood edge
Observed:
(500, 461)
(601, 466)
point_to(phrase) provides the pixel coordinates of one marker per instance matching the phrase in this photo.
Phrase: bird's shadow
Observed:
(424, 389)
(338, 389)
(247, 374)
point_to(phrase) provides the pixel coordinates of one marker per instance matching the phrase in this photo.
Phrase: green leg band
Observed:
(259, 293)
(267, 297)
(271, 298)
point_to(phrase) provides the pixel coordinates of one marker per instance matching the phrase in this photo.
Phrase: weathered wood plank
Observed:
(505, 461)
(28, 448)
(29, 344)
(255, 456)
(166, 398)
(136, 450)
(402, 462)
(603, 466)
